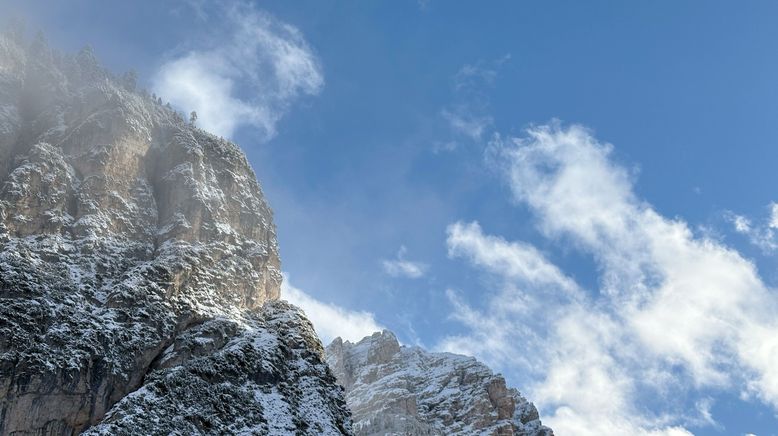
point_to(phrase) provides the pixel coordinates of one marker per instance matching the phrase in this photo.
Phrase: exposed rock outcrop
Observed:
(138, 255)
(224, 377)
(398, 390)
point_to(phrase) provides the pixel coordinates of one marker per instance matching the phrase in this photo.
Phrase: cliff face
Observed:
(264, 377)
(138, 255)
(399, 390)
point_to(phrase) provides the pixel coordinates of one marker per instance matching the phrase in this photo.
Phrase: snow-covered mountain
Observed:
(399, 390)
(139, 269)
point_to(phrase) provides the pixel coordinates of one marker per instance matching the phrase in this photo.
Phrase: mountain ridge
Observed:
(394, 389)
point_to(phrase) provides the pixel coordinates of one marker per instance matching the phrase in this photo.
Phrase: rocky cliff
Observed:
(399, 390)
(139, 269)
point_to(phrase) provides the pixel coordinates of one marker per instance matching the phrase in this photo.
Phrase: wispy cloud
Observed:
(424, 4)
(676, 313)
(250, 75)
(467, 116)
(763, 234)
(401, 267)
(518, 261)
(531, 286)
(463, 121)
(473, 78)
(329, 320)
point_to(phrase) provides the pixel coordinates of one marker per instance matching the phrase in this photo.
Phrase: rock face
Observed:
(139, 269)
(264, 377)
(399, 390)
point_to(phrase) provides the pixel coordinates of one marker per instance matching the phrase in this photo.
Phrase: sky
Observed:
(580, 194)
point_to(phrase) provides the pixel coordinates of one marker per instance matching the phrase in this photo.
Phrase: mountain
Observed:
(140, 284)
(399, 390)
(139, 269)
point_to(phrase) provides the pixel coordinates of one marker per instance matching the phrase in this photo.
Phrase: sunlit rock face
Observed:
(138, 255)
(398, 390)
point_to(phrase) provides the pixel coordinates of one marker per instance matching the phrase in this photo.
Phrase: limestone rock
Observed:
(399, 390)
(125, 231)
(264, 375)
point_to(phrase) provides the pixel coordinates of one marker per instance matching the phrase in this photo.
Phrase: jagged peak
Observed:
(396, 389)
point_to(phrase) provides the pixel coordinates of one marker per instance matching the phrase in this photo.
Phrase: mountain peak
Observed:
(394, 389)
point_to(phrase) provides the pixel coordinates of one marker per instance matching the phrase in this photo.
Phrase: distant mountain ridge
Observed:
(399, 390)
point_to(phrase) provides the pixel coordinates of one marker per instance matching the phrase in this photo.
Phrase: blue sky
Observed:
(578, 193)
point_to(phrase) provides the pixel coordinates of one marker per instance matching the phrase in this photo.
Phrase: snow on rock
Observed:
(139, 269)
(399, 390)
(259, 376)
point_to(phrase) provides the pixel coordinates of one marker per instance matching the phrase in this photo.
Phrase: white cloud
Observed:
(492, 332)
(676, 312)
(514, 260)
(251, 75)
(533, 286)
(468, 116)
(703, 407)
(330, 320)
(762, 234)
(773, 216)
(473, 77)
(401, 267)
(742, 224)
(464, 122)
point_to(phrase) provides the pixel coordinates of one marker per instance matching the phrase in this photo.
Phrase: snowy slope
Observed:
(399, 390)
(257, 377)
